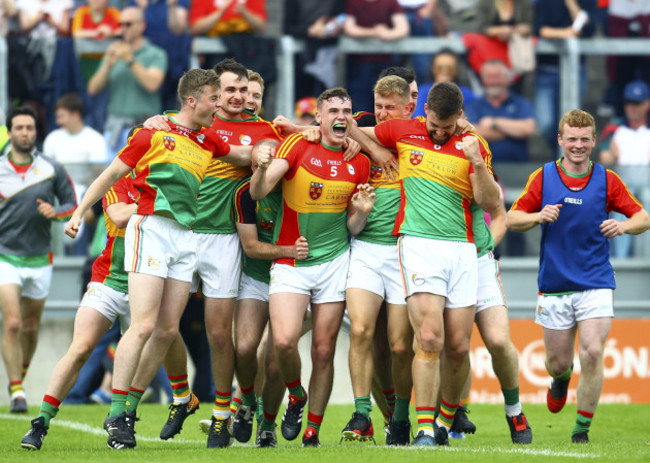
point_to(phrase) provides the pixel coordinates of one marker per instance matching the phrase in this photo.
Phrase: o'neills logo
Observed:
(375, 172)
(315, 190)
(169, 142)
(416, 157)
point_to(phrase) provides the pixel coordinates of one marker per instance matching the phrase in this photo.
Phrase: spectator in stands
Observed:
(502, 18)
(219, 18)
(41, 19)
(80, 148)
(318, 23)
(420, 17)
(167, 27)
(97, 21)
(629, 151)
(504, 119)
(133, 69)
(379, 19)
(625, 18)
(444, 68)
(459, 15)
(7, 12)
(557, 19)
(305, 112)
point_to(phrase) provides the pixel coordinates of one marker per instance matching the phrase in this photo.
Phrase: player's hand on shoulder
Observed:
(312, 134)
(284, 125)
(157, 122)
(464, 126)
(352, 148)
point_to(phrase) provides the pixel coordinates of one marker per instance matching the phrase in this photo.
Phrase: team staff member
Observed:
(159, 246)
(441, 175)
(105, 300)
(29, 184)
(325, 198)
(570, 199)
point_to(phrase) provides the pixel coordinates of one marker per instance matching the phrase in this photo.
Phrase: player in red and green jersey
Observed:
(570, 199)
(441, 175)
(160, 249)
(325, 198)
(105, 300)
(374, 278)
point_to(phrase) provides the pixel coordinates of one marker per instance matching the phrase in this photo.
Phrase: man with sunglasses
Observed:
(134, 70)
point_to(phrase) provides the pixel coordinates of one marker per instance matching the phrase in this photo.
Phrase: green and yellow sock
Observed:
(221, 407)
(425, 419)
(16, 389)
(234, 405)
(447, 413)
(363, 405)
(24, 370)
(133, 399)
(583, 422)
(180, 389)
(118, 402)
(49, 408)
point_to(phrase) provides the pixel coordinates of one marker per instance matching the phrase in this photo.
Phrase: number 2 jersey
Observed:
(315, 195)
(436, 188)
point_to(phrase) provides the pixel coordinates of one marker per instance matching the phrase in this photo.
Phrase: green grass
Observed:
(620, 432)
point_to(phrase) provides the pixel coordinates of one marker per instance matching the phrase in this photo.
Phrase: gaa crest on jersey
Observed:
(266, 225)
(315, 190)
(375, 172)
(416, 157)
(169, 142)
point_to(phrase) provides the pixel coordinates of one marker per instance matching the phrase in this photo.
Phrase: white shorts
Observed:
(565, 311)
(490, 290)
(219, 264)
(108, 302)
(444, 268)
(159, 246)
(34, 282)
(250, 288)
(375, 268)
(323, 282)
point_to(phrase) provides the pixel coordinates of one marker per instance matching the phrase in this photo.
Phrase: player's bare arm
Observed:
(635, 225)
(380, 155)
(256, 249)
(360, 205)
(487, 193)
(120, 213)
(268, 174)
(115, 171)
(521, 221)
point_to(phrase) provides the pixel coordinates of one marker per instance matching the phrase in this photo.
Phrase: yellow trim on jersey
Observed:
(531, 177)
(186, 154)
(286, 146)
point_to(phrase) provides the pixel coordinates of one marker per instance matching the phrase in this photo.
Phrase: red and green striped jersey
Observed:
(263, 214)
(221, 179)
(315, 195)
(169, 168)
(108, 268)
(436, 188)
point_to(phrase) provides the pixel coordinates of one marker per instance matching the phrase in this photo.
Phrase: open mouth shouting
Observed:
(340, 129)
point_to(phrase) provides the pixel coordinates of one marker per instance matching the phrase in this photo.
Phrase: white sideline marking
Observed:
(518, 451)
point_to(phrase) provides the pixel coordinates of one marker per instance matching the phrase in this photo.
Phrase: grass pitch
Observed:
(619, 433)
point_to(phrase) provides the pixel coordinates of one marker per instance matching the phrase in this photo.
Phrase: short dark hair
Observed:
(230, 65)
(20, 111)
(405, 73)
(445, 99)
(336, 92)
(72, 102)
(193, 81)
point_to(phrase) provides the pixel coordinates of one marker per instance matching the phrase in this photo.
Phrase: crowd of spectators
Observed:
(148, 46)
